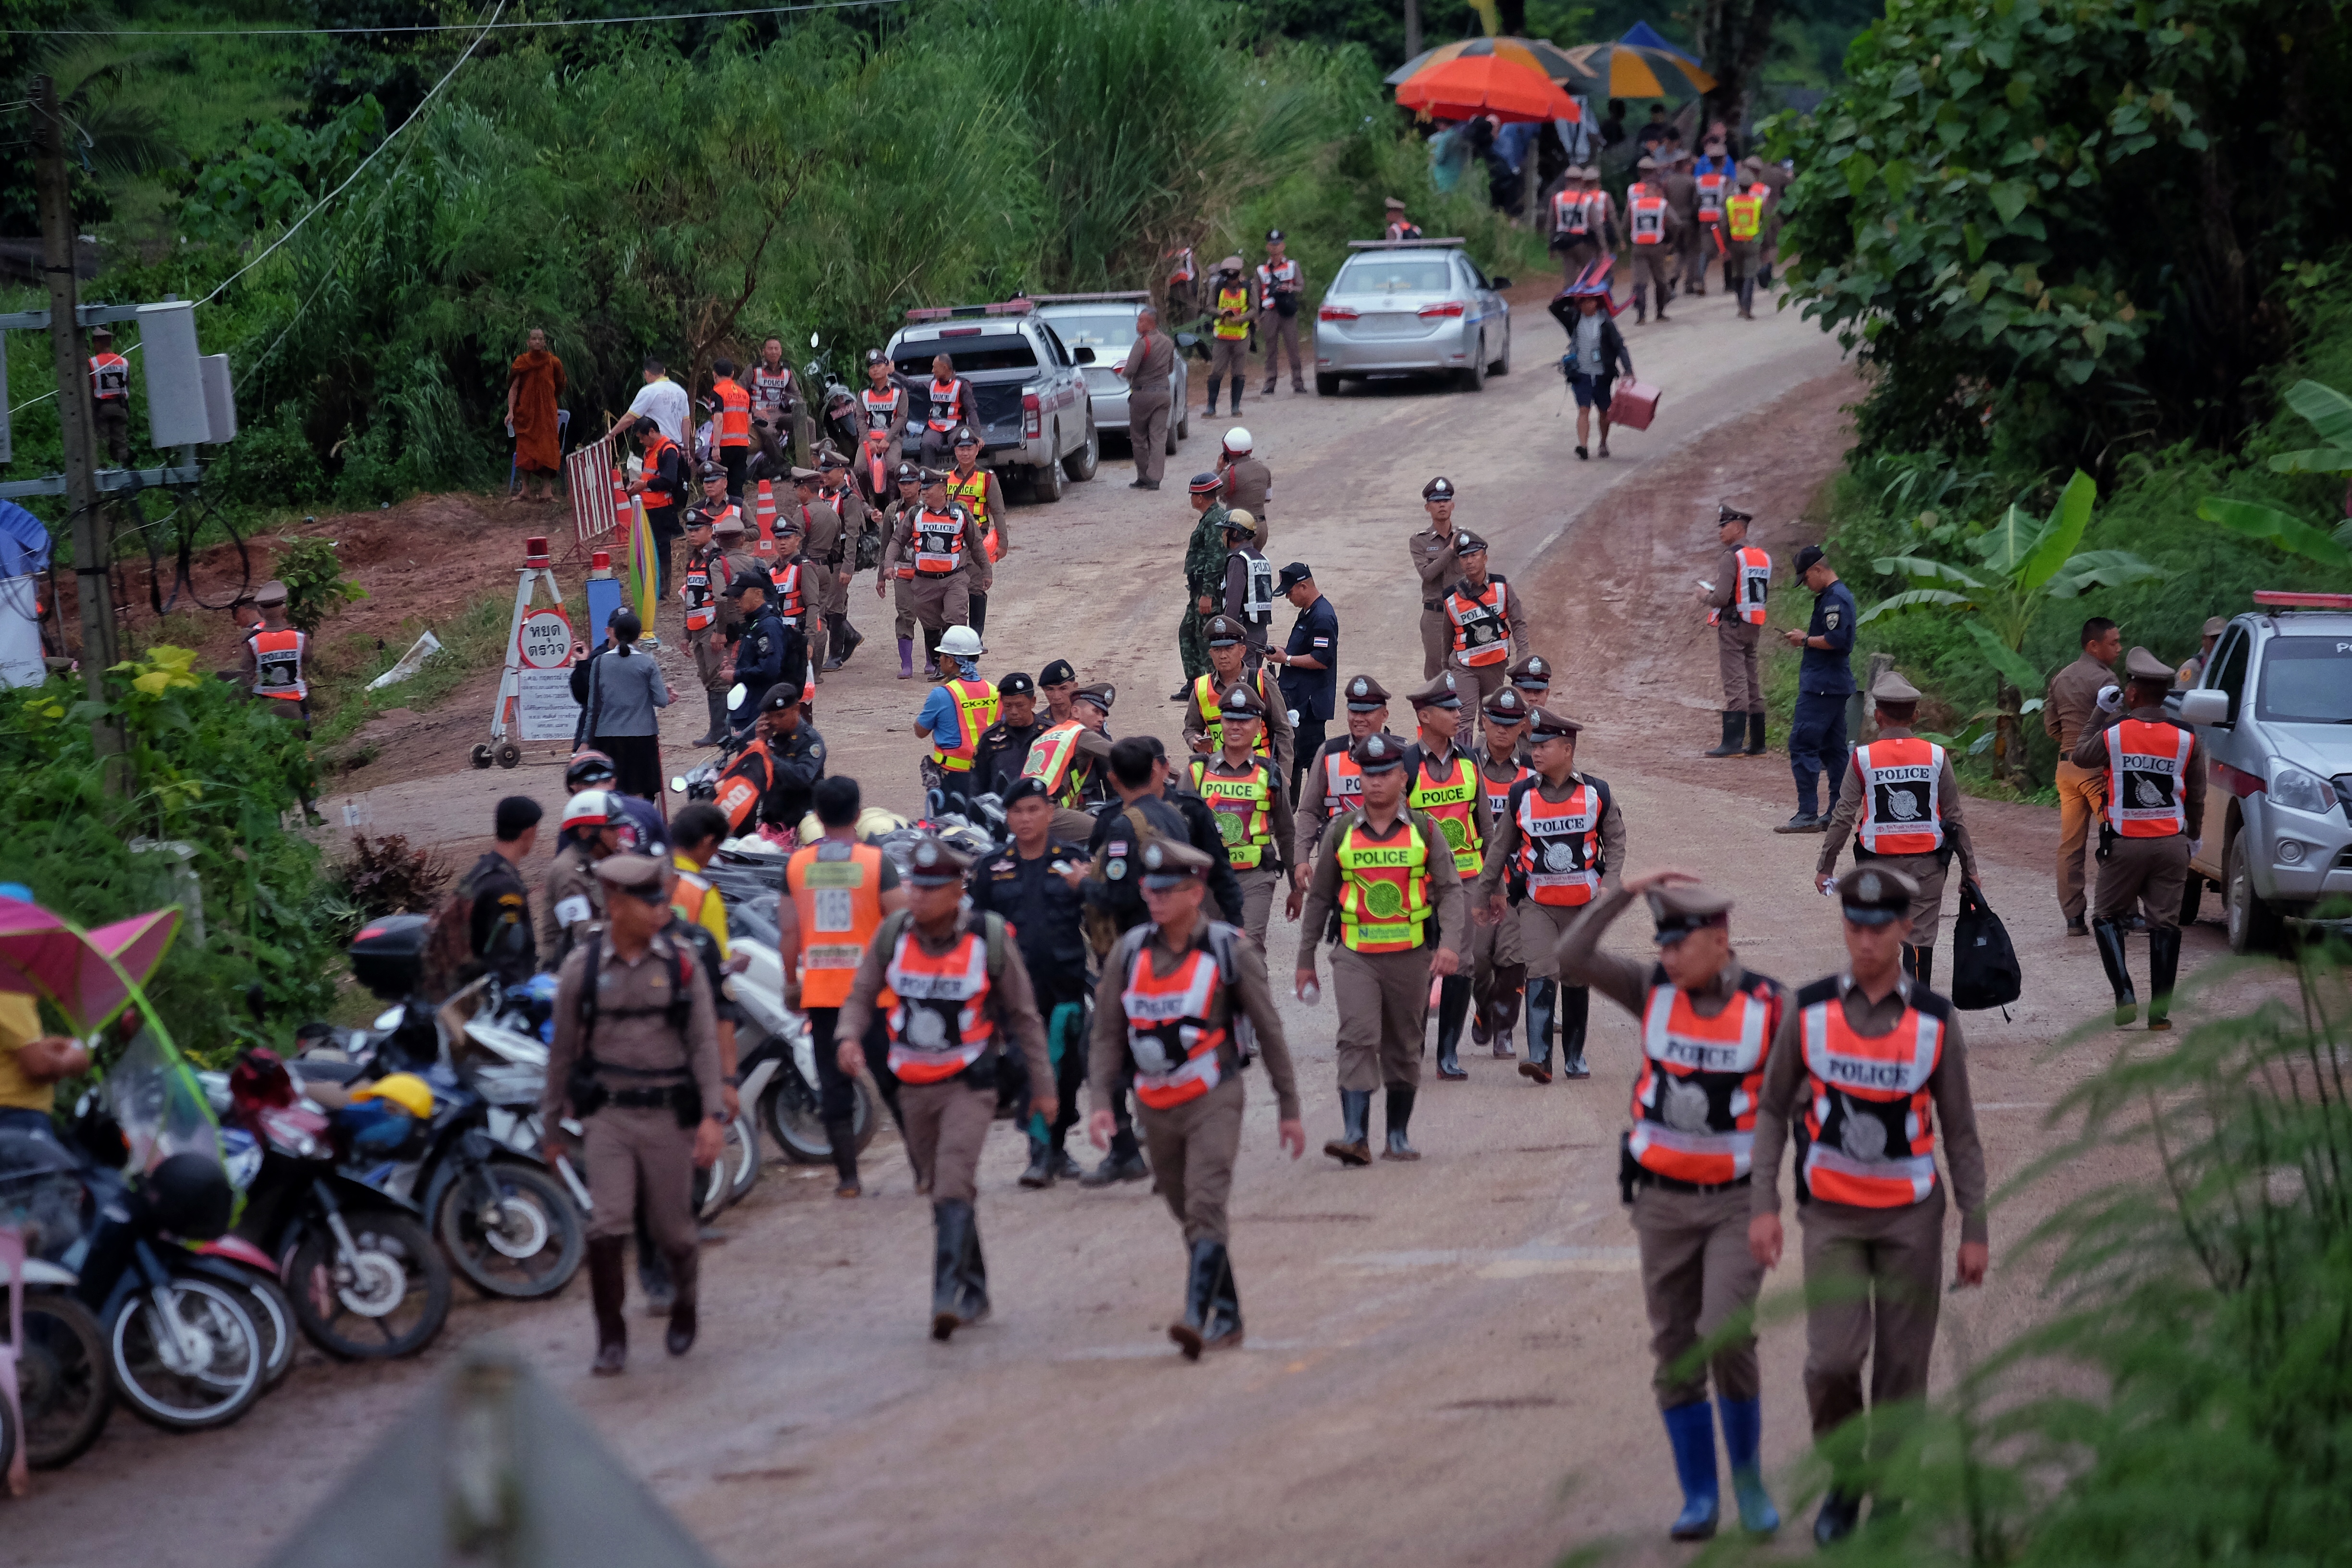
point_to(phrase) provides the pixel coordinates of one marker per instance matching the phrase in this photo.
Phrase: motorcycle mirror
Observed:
(812, 339)
(735, 695)
(678, 784)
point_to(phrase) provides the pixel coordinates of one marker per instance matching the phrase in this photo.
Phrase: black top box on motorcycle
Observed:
(388, 955)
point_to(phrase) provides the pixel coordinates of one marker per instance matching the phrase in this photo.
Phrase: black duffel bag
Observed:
(1984, 964)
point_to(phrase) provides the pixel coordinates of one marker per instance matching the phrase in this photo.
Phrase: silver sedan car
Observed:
(1412, 307)
(1099, 330)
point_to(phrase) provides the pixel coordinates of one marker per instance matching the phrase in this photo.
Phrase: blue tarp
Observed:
(24, 541)
(1643, 35)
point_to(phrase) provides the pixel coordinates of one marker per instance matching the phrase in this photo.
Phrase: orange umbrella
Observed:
(1471, 85)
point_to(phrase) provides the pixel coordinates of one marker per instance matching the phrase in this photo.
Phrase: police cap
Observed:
(1057, 673)
(1876, 896)
(1206, 484)
(1378, 754)
(1016, 684)
(1022, 788)
(746, 581)
(783, 694)
(964, 437)
(827, 458)
(1534, 670)
(1241, 702)
(1808, 557)
(934, 476)
(1506, 707)
(1892, 687)
(1647, 162)
(932, 863)
(1543, 724)
(1394, 202)
(1274, 237)
(1169, 862)
(1224, 631)
(1440, 693)
(2215, 625)
(707, 471)
(1681, 907)
(639, 876)
(876, 356)
(1725, 512)
(1101, 693)
(1468, 543)
(729, 524)
(801, 475)
(1439, 489)
(1292, 575)
(2141, 665)
(1366, 695)
(910, 473)
(271, 593)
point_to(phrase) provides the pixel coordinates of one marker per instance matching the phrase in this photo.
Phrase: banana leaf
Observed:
(2059, 536)
(2290, 534)
(2101, 569)
(2006, 660)
(2008, 541)
(1909, 601)
(1922, 571)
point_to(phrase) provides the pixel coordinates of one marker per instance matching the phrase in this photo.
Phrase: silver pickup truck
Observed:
(2273, 710)
(1035, 416)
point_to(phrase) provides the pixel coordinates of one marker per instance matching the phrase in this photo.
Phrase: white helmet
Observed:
(961, 642)
(592, 808)
(1237, 439)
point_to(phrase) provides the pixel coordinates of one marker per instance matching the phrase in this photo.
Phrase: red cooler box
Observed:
(1632, 404)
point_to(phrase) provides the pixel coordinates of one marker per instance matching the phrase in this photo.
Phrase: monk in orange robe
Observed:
(534, 385)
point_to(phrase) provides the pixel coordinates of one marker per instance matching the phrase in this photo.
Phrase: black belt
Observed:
(1432, 604)
(1649, 1178)
(645, 1099)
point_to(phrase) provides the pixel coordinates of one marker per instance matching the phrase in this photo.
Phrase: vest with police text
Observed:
(1694, 1098)
(2148, 767)
(940, 1026)
(1901, 813)
(1869, 1134)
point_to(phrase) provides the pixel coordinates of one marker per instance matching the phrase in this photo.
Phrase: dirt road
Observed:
(1447, 1362)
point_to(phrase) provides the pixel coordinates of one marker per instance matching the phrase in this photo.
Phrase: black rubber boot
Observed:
(1729, 745)
(1541, 995)
(1190, 1332)
(2110, 937)
(972, 1273)
(1927, 962)
(686, 1268)
(1509, 980)
(1040, 1173)
(950, 1219)
(717, 702)
(1223, 1325)
(1453, 1007)
(1354, 1145)
(2163, 965)
(607, 1287)
(1214, 382)
(1841, 1511)
(653, 1282)
(843, 1136)
(1755, 736)
(1400, 1113)
(1575, 1008)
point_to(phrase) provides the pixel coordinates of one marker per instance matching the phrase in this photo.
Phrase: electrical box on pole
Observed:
(176, 377)
(220, 399)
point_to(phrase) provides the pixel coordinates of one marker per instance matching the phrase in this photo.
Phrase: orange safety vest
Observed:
(1560, 842)
(1243, 805)
(1870, 1136)
(701, 604)
(1647, 211)
(2148, 768)
(1744, 214)
(1481, 629)
(771, 388)
(975, 703)
(790, 595)
(1207, 699)
(688, 896)
(1383, 887)
(940, 1025)
(947, 400)
(836, 890)
(972, 490)
(653, 495)
(1447, 802)
(1901, 813)
(938, 541)
(1755, 586)
(278, 663)
(1710, 197)
(1343, 783)
(1498, 791)
(1567, 212)
(109, 378)
(1184, 271)
(1694, 1098)
(882, 408)
(1169, 1035)
(1049, 759)
(734, 412)
(737, 794)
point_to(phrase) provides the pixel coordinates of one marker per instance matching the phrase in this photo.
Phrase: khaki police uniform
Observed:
(2070, 710)
(1542, 924)
(1873, 1216)
(2154, 771)
(1279, 282)
(1199, 737)
(1475, 628)
(940, 599)
(1446, 785)
(1682, 198)
(1150, 363)
(900, 573)
(1499, 968)
(1257, 839)
(1382, 997)
(1436, 567)
(1654, 265)
(1738, 594)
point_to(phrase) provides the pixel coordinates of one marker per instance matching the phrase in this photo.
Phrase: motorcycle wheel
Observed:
(228, 1373)
(389, 1300)
(792, 1121)
(716, 1189)
(743, 1148)
(63, 1379)
(273, 1314)
(523, 1241)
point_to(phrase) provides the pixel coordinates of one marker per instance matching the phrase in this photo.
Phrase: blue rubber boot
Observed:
(1743, 1434)
(1691, 1428)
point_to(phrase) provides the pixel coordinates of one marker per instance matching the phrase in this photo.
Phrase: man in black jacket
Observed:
(499, 936)
(1003, 750)
(769, 653)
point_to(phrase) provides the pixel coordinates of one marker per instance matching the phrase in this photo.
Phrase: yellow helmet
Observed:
(405, 1089)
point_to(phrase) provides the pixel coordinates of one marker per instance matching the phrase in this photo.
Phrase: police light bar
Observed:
(1404, 244)
(2279, 599)
(1014, 307)
(1090, 299)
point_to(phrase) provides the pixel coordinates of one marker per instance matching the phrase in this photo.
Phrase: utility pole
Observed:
(93, 588)
(1412, 29)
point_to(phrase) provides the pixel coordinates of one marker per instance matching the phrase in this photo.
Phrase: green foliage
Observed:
(277, 174)
(210, 769)
(2051, 226)
(315, 584)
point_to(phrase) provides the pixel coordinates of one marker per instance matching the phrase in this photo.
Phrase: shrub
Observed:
(385, 877)
(315, 584)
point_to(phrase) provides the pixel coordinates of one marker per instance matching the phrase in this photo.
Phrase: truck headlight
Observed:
(2290, 786)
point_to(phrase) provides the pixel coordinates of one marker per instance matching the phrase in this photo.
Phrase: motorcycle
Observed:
(64, 1385)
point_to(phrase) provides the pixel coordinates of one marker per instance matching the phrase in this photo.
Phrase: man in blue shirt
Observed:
(1306, 665)
(1824, 681)
(942, 720)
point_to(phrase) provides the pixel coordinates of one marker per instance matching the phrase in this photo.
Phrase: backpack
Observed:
(1100, 926)
(583, 1088)
(1985, 971)
(894, 925)
(1221, 947)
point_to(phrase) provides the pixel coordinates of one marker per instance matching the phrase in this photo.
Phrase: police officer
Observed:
(836, 492)
(1058, 683)
(1736, 609)
(1308, 664)
(1559, 843)
(1233, 306)
(1071, 758)
(1228, 648)
(571, 904)
(1869, 1061)
(883, 405)
(1497, 969)
(979, 492)
(735, 558)
(1003, 749)
(274, 653)
(769, 653)
(1712, 178)
(1245, 790)
(1483, 614)
(1682, 198)
(1655, 230)
(663, 481)
(1384, 868)
(935, 540)
(1331, 784)
(1179, 1003)
(1903, 806)
(1036, 884)
(1205, 576)
(838, 890)
(1281, 285)
(1744, 220)
(1824, 681)
(962, 1000)
(110, 393)
(822, 535)
(2155, 773)
(777, 773)
(2192, 668)
(1248, 595)
(1707, 1023)
(699, 585)
(898, 573)
(1443, 783)
(1436, 565)
(1249, 483)
(636, 1057)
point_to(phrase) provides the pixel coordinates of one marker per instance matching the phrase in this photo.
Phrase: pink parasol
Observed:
(86, 976)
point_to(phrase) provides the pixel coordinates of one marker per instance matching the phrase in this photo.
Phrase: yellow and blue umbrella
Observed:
(1632, 70)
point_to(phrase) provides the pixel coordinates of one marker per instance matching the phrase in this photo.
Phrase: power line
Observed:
(436, 27)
